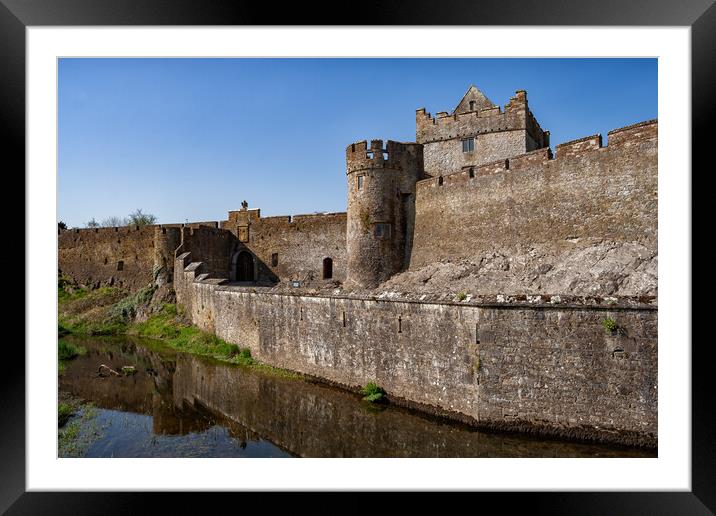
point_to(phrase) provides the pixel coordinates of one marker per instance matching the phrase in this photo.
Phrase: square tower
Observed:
(477, 132)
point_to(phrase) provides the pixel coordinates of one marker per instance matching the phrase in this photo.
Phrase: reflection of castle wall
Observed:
(189, 394)
(318, 421)
(128, 393)
(148, 391)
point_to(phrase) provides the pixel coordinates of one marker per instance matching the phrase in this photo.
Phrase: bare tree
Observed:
(137, 218)
(111, 222)
(92, 223)
(61, 226)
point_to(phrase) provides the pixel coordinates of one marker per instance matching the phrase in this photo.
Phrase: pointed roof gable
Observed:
(476, 96)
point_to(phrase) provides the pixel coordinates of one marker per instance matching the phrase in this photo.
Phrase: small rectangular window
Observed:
(120, 265)
(468, 145)
(360, 182)
(381, 230)
(274, 259)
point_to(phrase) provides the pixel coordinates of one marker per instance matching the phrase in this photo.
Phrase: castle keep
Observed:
(470, 274)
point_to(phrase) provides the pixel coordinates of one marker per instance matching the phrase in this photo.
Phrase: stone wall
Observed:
(586, 192)
(211, 245)
(498, 134)
(131, 257)
(320, 421)
(447, 157)
(551, 369)
(300, 243)
(121, 257)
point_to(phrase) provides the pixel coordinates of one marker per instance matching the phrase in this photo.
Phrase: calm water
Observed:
(178, 405)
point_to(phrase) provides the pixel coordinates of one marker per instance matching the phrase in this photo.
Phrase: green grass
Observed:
(176, 333)
(68, 351)
(461, 296)
(67, 438)
(64, 412)
(103, 311)
(68, 291)
(105, 327)
(372, 393)
(75, 436)
(100, 312)
(62, 331)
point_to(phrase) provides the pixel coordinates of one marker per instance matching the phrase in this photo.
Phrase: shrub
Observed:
(461, 296)
(372, 393)
(609, 324)
(125, 310)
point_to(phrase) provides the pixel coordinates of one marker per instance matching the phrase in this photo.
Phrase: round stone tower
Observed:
(381, 209)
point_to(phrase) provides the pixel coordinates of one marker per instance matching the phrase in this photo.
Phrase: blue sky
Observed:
(189, 139)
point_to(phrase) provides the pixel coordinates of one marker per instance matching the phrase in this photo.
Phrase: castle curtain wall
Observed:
(300, 243)
(121, 257)
(131, 257)
(587, 192)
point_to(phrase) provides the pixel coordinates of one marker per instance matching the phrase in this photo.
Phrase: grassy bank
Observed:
(76, 426)
(111, 311)
(102, 311)
(171, 328)
(66, 351)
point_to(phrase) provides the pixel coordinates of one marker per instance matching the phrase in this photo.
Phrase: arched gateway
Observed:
(245, 267)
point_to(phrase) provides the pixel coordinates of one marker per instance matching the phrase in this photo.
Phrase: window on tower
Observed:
(468, 145)
(381, 230)
(360, 182)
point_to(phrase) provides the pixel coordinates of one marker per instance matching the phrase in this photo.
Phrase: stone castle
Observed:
(478, 180)
(473, 241)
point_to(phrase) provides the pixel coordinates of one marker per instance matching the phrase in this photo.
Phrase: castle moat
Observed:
(171, 404)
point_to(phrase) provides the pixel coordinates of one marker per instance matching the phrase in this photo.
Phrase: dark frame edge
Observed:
(702, 498)
(12, 131)
(703, 113)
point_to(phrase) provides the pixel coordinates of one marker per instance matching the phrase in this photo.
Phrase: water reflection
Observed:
(182, 406)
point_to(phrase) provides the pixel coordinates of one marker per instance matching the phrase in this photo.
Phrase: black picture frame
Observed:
(700, 15)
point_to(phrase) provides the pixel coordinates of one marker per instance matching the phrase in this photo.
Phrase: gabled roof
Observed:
(475, 95)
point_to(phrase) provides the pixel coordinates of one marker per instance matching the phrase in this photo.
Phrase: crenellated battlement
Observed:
(634, 134)
(581, 148)
(279, 220)
(446, 126)
(394, 155)
(124, 230)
